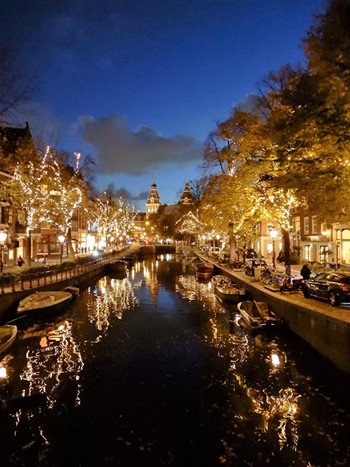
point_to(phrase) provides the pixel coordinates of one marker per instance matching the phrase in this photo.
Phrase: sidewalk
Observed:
(25, 281)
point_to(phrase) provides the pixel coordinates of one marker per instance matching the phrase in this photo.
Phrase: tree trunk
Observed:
(286, 247)
(29, 249)
(70, 251)
(233, 249)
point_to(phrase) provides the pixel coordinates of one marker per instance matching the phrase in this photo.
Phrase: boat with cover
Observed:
(230, 292)
(46, 302)
(8, 334)
(257, 315)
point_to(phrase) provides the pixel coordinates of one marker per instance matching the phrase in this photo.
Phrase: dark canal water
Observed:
(153, 370)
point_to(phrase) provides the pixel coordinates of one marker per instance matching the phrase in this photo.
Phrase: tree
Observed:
(327, 44)
(15, 87)
(239, 197)
(190, 225)
(113, 217)
(65, 195)
(27, 191)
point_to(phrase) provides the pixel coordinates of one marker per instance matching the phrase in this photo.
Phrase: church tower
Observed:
(153, 201)
(187, 197)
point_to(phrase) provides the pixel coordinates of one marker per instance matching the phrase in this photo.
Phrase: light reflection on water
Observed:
(281, 407)
(272, 406)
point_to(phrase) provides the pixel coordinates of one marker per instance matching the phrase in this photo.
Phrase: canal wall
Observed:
(80, 277)
(10, 300)
(325, 328)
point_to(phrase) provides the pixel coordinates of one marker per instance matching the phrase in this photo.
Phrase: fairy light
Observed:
(77, 156)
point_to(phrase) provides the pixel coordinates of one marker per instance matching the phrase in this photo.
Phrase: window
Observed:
(296, 224)
(314, 226)
(307, 252)
(306, 226)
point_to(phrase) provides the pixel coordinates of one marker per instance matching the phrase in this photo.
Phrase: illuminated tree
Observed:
(292, 146)
(123, 218)
(113, 218)
(27, 189)
(190, 224)
(310, 159)
(327, 48)
(238, 197)
(64, 196)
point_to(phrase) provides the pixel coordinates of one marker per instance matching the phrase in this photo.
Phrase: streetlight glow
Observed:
(61, 239)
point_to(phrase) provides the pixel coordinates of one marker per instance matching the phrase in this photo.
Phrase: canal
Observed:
(153, 369)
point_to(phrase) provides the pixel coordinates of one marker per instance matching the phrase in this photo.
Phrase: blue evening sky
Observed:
(139, 85)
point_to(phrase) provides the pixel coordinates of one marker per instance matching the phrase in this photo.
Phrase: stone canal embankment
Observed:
(325, 328)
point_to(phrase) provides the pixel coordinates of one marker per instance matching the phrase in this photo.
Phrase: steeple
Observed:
(187, 197)
(153, 201)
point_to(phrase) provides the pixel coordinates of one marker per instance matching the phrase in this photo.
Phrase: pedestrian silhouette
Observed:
(305, 272)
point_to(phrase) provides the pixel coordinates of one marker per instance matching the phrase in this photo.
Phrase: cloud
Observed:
(119, 149)
(125, 194)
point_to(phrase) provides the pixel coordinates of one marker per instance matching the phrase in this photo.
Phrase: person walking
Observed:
(305, 272)
(20, 261)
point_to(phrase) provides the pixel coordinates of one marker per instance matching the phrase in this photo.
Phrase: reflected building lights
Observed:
(275, 360)
(276, 405)
(45, 366)
(3, 372)
(282, 406)
(115, 297)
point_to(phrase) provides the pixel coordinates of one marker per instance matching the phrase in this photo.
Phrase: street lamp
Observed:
(3, 236)
(61, 239)
(273, 235)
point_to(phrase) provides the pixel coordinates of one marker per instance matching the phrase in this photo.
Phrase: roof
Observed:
(187, 197)
(11, 138)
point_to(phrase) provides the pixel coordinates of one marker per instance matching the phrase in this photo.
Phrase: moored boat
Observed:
(130, 260)
(230, 292)
(257, 315)
(47, 302)
(118, 266)
(8, 334)
(220, 279)
(203, 269)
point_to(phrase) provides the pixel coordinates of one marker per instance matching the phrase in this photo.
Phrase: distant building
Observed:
(187, 198)
(153, 201)
(161, 218)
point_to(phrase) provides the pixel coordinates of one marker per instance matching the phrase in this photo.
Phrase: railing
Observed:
(10, 283)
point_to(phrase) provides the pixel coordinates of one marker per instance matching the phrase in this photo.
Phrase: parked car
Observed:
(252, 264)
(331, 286)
